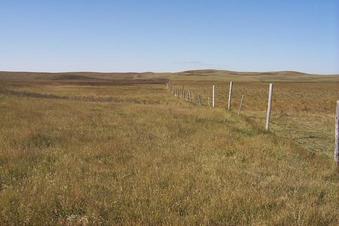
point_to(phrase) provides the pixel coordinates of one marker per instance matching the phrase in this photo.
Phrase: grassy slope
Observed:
(150, 158)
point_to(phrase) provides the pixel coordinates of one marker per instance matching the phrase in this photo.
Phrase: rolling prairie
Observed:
(120, 149)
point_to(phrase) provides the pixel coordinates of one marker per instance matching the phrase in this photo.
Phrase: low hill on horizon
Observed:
(108, 77)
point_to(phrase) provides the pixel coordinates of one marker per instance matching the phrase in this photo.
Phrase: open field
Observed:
(87, 148)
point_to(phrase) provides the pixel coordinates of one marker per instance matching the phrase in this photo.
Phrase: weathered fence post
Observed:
(229, 105)
(269, 107)
(336, 150)
(240, 106)
(213, 96)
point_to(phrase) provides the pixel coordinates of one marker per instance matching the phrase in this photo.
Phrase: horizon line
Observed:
(172, 72)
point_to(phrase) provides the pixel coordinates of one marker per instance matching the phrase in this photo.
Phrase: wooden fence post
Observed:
(229, 105)
(240, 106)
(213, 96)
(269, 107)
(336, 150)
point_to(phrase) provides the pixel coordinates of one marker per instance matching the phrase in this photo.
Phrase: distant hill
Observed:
(210, 74)
(227, 72)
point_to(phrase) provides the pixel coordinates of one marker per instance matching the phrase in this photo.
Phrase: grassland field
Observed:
(120, 149)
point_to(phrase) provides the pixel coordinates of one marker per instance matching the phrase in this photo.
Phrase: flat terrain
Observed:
(94, 148)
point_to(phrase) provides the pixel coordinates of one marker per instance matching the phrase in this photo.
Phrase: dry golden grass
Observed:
(137, 155)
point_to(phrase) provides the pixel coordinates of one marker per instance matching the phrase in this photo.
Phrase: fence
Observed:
(201, 100)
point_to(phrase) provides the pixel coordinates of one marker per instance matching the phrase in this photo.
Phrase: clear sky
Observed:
(172, 35)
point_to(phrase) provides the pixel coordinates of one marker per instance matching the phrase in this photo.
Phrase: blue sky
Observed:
(173, 35)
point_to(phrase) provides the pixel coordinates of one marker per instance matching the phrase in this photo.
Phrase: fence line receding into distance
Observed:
(189, 96)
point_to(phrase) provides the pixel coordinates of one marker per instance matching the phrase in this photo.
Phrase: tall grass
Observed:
(146, 157)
